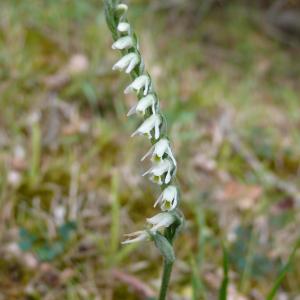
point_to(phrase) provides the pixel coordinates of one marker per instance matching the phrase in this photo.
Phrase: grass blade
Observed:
(115, 217)
(225, 281)
(282, 273)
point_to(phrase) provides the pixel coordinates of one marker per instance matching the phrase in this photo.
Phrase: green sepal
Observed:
(111, 20)
(173, 230)
(164, 246)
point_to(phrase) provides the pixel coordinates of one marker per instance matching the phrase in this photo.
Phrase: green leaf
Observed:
(164, 246)
(282, 274)
(66, 230)
(49, 252)
(26, 239)
(224, 284)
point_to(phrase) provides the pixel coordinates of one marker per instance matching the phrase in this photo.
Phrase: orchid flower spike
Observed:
(123, 27)
(137, 236)
(161, 148)
(128, 62)
(164, 168)
(143, 104)
(122, 43)
(163, 227)
(161, 221)
(168, 199)
(153, 122)
(141, 82)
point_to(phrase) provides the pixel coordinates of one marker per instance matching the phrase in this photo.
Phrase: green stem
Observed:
(165, 279)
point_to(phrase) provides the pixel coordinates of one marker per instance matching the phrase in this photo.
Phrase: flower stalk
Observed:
(163, 227)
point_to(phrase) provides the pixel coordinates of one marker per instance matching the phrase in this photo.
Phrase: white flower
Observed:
(153, 122)
(165, 167)
(161, 221)
(122, 8)
(158, 222)
(137, 236)
(128, 62)
(168, 198)
(143, 104)
(122, 43)
(159, 149)
(141, 82)
(123, 27)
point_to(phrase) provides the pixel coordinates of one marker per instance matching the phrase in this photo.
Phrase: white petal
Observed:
(123, 43)
(135, 133)
(138, 83)
(170, 192)
(164, 223)
(161, 168)
(145, 103)
(169, 198)
(153, 107)
(132, 64)
(124, 61)
(161, 147)
(174, 202)
(159, 199)
(123, 27)
(168, 177)
(147, 126)
(122, 8)
(132, 111)
(156, 219)
(169, 152)
(136, 237)
(157, 132)
(161, 220)
(132, 234)
(146, 88)
(147, 172)
(148, 153)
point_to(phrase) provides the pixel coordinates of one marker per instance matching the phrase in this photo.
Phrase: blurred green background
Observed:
(227, 73)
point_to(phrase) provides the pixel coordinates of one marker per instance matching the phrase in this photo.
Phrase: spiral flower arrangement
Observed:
(164, 226)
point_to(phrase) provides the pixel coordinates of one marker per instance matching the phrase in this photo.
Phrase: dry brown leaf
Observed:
(242, 195)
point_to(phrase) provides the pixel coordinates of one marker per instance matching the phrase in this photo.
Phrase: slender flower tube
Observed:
(161, 148)
(122, 43)
(152, 123)
(162, 172)
(168, 198)
(143, 104)
(127, 62)
(141, 82)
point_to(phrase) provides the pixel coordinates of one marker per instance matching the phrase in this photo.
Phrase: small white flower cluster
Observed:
(164, 163)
